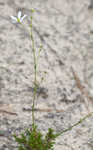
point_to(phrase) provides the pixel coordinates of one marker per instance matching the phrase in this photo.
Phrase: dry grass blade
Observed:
(82, 89)
(10, 113)
(6, 108)
(42, 110)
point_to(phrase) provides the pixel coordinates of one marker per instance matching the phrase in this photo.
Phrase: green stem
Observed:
(40, 48)
(35, 73)
(77, 123)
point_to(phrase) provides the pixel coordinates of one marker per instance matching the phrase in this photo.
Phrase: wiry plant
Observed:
(33, 139)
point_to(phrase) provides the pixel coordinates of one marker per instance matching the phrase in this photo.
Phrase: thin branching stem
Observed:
(77, 123)
(35, 72)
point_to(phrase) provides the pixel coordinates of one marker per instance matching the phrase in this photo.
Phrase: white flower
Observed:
(19, 18)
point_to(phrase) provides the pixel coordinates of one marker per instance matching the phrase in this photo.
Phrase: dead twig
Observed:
(82, 89)
(10, 113)
(42, 110)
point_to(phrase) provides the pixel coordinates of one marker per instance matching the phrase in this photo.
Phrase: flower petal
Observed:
(14, 19)
(19, 15)
(23, 18)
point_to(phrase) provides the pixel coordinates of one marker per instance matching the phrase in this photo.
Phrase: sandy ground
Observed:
(65, 28)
